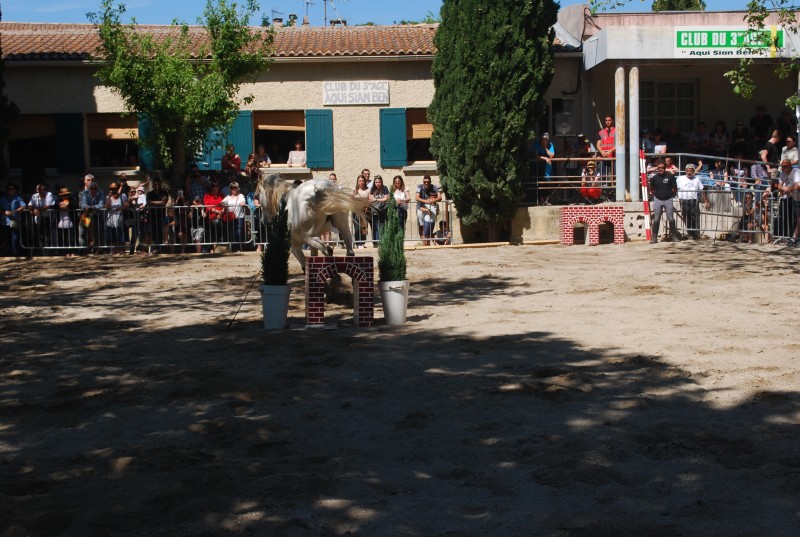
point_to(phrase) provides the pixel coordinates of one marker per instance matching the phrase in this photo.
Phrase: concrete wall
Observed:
(59, 89)
(533, 224)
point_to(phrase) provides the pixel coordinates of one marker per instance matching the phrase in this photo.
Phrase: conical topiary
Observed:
(391, 256)
(275, 261)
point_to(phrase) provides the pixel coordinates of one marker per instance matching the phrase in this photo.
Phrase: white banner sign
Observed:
(355, 92)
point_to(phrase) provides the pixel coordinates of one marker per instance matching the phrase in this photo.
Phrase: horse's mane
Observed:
(270, 189)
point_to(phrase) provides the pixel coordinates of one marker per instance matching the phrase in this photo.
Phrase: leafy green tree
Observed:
(430, 18)
(679, 5)
(183, 84)
(9, 111)
(493, 66)
(741, 78)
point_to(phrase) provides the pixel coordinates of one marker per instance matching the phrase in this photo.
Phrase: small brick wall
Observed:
(321, 268)
(592, 216)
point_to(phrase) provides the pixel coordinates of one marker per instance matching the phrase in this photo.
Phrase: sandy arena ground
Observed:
(629, 390)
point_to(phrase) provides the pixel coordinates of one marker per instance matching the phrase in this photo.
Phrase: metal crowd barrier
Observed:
(741, 215)
(176, 229)
(440, 225)
(185, 229)
(564, 186)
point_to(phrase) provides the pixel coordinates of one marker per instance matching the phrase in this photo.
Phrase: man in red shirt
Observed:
(606, 139)
(231, 161)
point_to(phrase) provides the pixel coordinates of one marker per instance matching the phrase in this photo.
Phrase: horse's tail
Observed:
(334, 200)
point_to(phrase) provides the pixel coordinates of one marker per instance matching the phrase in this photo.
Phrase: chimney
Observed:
(305, 20)
(277, 22)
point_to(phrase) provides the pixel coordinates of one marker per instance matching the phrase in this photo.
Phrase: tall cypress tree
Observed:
(493, 66)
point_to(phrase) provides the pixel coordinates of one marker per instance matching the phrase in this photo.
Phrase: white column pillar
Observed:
(633, 117)
(619, 122)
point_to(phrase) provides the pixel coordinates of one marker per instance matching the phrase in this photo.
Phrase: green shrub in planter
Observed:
(391, 256)
(275, 260)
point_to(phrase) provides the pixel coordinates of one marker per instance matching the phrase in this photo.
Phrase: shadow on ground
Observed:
(204, 431)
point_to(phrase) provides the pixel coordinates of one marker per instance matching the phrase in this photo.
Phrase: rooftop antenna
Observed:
(308, 3)
(333, 7)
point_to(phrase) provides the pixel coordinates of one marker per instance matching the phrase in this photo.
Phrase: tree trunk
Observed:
(495, 232)
(178, 171)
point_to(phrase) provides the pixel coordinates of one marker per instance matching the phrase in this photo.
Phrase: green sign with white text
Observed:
(728, 42)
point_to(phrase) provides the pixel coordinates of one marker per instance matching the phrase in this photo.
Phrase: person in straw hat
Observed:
(65, 222)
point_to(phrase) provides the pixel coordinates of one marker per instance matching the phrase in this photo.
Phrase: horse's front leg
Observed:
(297, 250)
(341, 221)
(316, 245)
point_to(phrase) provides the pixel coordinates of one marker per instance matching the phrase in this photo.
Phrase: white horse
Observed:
(314, 206)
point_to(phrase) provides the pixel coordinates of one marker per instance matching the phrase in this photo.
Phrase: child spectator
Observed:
(443, 235)
(197, 216)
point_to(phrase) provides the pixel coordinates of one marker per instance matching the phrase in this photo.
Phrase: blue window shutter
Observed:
(393, 137)
(147, 154)
(241, 134)
(212, 151)
(69, 145)
(319, 138)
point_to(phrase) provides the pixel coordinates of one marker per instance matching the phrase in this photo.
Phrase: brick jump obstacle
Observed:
(320, 268)
(592, 216)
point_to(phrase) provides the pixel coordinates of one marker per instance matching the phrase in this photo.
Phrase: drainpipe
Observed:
(633, 116)
(619, 109)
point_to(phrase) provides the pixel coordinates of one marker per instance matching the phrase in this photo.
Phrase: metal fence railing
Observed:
(426, 229)
(743, 202)
(565, 185)
(175, 229)
(189, 229)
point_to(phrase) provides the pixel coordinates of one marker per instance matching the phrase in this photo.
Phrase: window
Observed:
(112, 140)
(662, 103)
(277, 131)
(563, 117)
(48, 141)
(405, 136)
(418, 135)
(32, 142)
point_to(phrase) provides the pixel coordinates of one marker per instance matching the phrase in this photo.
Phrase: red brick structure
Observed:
(361, 269)
(592, 216)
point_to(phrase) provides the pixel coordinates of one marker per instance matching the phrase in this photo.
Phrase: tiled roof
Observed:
(355, 41)
(77, 42)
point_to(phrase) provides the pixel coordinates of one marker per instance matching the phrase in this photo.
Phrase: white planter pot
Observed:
(275, 305)
(394, 296)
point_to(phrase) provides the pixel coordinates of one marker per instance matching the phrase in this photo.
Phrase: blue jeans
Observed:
(402, 216)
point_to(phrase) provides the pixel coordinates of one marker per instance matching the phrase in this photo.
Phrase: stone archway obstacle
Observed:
(592, 216)
(361, 269)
